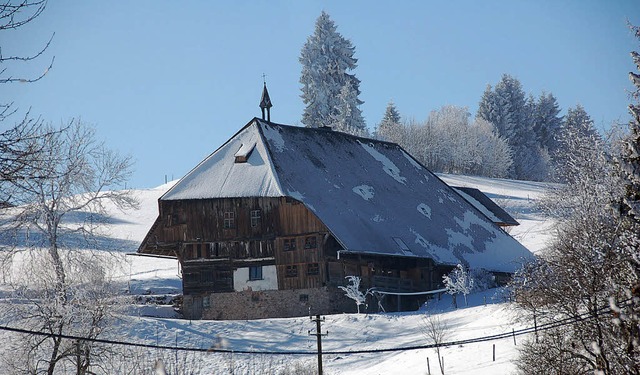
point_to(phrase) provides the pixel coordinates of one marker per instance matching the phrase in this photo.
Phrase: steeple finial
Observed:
(265, 101)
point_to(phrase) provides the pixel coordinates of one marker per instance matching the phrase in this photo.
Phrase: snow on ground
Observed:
(147, 275)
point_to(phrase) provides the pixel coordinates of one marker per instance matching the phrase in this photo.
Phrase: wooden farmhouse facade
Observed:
(275, 219)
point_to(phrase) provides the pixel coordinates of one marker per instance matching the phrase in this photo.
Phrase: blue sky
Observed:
(168, 82)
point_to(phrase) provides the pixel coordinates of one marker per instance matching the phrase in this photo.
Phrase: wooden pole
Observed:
(428, 367)
(494, 352)
(513, 332)
(318, 335)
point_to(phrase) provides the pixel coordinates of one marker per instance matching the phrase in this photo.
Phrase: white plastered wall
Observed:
(269, 279)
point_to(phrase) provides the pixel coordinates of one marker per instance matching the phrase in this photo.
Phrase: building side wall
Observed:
(250, 304)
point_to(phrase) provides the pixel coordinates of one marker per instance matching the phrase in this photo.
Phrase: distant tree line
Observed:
(513, 135)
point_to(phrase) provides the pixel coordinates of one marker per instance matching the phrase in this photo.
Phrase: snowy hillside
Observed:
(347, 332)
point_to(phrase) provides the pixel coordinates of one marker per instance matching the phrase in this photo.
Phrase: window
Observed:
(229, 220)
(289, 244)
(255, 218)
(313, 269)
(199, 250)
(206, 301)
(291, 271)
(255, 273)
(310, 242)
(304, 298)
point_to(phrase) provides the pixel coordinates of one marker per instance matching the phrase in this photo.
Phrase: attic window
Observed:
(244, 152)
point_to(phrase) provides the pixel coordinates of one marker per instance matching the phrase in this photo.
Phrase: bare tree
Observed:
(61, 208)
(437, 331)
(16, 148)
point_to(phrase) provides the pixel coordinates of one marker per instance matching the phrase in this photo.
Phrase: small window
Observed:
(310, 242)
(199, 250)
(255, 273)
(289, 244)
(169, 221)
(304, 298)
(229, 220)
(206, 301)
(255, 218)
(313, 269)
(291, 271)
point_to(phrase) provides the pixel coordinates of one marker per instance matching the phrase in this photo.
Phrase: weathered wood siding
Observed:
(217, 236)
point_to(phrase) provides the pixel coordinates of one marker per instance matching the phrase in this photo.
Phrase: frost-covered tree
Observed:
(348, 115)
(390, 125)
(579, 145)
(453, 144)
(327, 58)
(352, 291)
(506, 107)
(590, 275)
(547, 121)
(459, 280)
(61, 206)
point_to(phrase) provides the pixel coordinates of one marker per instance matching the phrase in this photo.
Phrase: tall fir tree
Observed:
(390, 123)
(547, 122)
(630, 159)
(348, 117)
(326, 59)
(578, 141)
(578, 121)
(507, 108)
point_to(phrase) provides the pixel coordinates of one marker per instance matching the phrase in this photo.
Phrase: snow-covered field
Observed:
(347, 332)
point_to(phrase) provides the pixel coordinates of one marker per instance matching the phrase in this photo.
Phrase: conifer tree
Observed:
(390, 126)
(348, 117)
(547, 122)
(507, 108)
(326, 59)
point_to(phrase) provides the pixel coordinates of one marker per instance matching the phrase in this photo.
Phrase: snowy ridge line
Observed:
(543, 327)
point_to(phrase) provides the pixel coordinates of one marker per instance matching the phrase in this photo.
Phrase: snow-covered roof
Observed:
(373, 196)
(485, 205)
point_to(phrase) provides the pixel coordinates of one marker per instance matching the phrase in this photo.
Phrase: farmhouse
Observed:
(270, 224)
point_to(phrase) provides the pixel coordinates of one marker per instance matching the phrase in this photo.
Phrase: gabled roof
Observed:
(488, 207)
(373, 196)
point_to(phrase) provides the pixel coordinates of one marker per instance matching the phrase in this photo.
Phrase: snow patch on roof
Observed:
(387, 165)
(365, 191)
(425, 210)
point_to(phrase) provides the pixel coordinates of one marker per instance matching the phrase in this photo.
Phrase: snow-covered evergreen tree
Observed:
(508, 109)
(390, 124)
(326, 59)
(630, 159)
(348, 117)
(578, 142)
(547, 122)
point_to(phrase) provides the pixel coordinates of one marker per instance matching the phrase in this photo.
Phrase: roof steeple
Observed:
(265, 101)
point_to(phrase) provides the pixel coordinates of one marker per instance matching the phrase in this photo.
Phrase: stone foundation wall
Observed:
(250, 304)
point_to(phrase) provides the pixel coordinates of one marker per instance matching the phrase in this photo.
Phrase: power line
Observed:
(499, 336)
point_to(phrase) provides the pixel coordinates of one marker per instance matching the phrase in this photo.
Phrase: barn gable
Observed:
(371, 195)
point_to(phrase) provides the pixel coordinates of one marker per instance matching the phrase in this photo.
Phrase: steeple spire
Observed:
(265, 101)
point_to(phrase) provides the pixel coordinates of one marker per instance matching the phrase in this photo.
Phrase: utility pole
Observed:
(318, 334)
